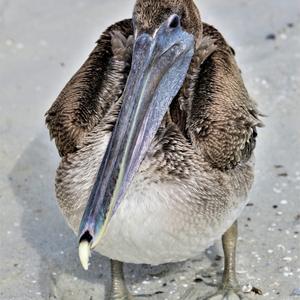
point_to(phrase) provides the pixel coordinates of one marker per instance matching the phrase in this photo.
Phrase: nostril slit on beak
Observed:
(86, 237)
(174, 21)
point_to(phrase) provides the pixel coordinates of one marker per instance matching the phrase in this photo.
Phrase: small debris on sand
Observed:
(271, 36)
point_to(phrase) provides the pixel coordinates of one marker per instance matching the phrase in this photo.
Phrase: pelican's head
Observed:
(166, 34)
(150, 15)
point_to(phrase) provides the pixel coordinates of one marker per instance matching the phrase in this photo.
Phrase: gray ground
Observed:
(42, 43)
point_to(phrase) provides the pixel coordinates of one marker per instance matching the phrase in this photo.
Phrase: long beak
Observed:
(159, 67)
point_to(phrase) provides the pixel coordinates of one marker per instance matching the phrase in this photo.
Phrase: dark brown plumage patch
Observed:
(91, 91)
(223, 118)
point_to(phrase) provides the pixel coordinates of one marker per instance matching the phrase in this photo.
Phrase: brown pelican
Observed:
(156, 132)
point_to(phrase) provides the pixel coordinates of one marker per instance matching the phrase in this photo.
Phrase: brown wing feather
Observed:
(91, 91)
(221, 119)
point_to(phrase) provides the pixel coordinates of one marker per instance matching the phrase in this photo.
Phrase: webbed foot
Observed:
(234, 293)
(227, 294)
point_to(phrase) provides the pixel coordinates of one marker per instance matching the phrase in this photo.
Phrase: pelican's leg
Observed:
(119, 290)
(230, 289)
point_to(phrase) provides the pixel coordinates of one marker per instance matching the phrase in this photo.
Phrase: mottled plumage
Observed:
(194, 180)
(213, 108)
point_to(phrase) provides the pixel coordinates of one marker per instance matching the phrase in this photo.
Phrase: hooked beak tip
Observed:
(84, 253)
